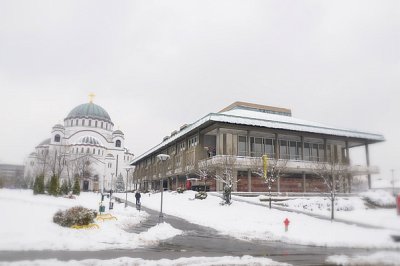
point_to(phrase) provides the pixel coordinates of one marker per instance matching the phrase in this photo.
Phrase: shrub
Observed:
(180, 190)
(64, 188)
(54, 188)
(38, 186)
(201, 195)
(76, 189)
(74, 216)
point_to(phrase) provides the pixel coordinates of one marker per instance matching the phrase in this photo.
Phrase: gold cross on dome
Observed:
(91, 96)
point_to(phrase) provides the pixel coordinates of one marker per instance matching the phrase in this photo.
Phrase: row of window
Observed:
(287, 149)
(90, 123)
(88, 150)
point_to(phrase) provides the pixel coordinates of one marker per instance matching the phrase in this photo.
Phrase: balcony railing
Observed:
(246, 162)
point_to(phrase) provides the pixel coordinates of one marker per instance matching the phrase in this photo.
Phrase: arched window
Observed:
(118, 143)
(57, 138)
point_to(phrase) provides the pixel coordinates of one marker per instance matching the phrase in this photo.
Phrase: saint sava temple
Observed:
(237, 137)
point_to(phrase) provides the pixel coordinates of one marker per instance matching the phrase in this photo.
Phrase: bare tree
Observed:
(227, 164)
(204, 172)
(270, 170)
(334, 174)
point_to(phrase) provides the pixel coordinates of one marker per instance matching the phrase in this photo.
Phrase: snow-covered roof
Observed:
(266, 120)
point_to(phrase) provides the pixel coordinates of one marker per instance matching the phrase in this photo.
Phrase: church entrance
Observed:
(85, 185)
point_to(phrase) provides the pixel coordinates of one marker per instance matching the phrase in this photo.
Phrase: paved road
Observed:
(197, 241)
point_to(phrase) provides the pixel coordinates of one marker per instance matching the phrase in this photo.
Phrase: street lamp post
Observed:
(126, 187)
(162, 158)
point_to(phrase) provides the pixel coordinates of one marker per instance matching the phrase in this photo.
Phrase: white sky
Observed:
(155, 65)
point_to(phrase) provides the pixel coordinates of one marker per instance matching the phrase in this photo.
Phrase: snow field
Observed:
(246, 221)
(27, 224)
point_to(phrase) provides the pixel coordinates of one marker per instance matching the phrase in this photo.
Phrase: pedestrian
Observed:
(137, 196)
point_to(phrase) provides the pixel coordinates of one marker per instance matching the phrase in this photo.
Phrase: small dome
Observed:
(89, 140)
(89, 110)
(109, 156)
(59, 126)
(45, 142)
(118, 132)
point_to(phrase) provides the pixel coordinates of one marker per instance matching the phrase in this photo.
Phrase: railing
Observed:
(291, 165)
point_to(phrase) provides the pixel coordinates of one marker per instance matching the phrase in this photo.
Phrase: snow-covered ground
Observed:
(378, 258)
(194, 261)
(247, 221)
(27, 224)
(351, 209)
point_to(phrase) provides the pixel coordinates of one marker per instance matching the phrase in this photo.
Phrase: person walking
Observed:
(137, 196)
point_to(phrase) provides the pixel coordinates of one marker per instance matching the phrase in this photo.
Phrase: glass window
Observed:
(256, 147)
(101, 124)
(76, 122)
(83, 122)
(242, 146)
(269, 147)
(57, 138)
(321, 152)
(307, 151)
(283, 149)
(293, 150)
(314, 152)
(95, 123)
(118, 143)
(90, 122)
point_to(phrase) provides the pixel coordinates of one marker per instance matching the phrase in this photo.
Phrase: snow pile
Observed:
(27, 224)
(323, 204)
(379, 197)
(247, 221)
(194, 261)
(378, 258)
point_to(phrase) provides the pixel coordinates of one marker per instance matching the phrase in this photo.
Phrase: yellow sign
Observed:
(265, 165)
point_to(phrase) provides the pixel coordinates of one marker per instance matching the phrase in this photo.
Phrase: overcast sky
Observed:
(155, 65)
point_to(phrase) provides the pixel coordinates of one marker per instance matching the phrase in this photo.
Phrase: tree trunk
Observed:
(332, 208)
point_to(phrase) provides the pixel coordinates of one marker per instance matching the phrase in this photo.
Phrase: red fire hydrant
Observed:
(398, 204)
(286, 222)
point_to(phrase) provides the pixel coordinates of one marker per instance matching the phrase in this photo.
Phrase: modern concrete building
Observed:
(10, 174)
(242, 133)
(86, 146)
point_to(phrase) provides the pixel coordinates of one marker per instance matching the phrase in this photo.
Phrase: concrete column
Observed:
(367, 158)
(276, 147)
(304, 182)
(325, 150)
(249, 180)
(248, 144)
(347, 153)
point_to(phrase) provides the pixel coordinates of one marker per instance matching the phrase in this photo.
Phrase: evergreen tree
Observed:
(119, 184)
(38, 186)
(76, 190)
(64, 188)
(47, 185)
(54, 188)
(69, 185)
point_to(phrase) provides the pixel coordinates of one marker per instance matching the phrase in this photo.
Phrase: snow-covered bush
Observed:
(379, 198)
(201, 195)
(74, 216)
(180, 190)
(319, 204)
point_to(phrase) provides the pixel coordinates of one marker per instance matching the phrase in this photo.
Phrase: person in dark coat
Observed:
(137, 196)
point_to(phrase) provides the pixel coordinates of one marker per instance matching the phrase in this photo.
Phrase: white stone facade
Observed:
(86, 146)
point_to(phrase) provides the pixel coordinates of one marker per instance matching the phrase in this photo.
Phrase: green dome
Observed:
(89, 110)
